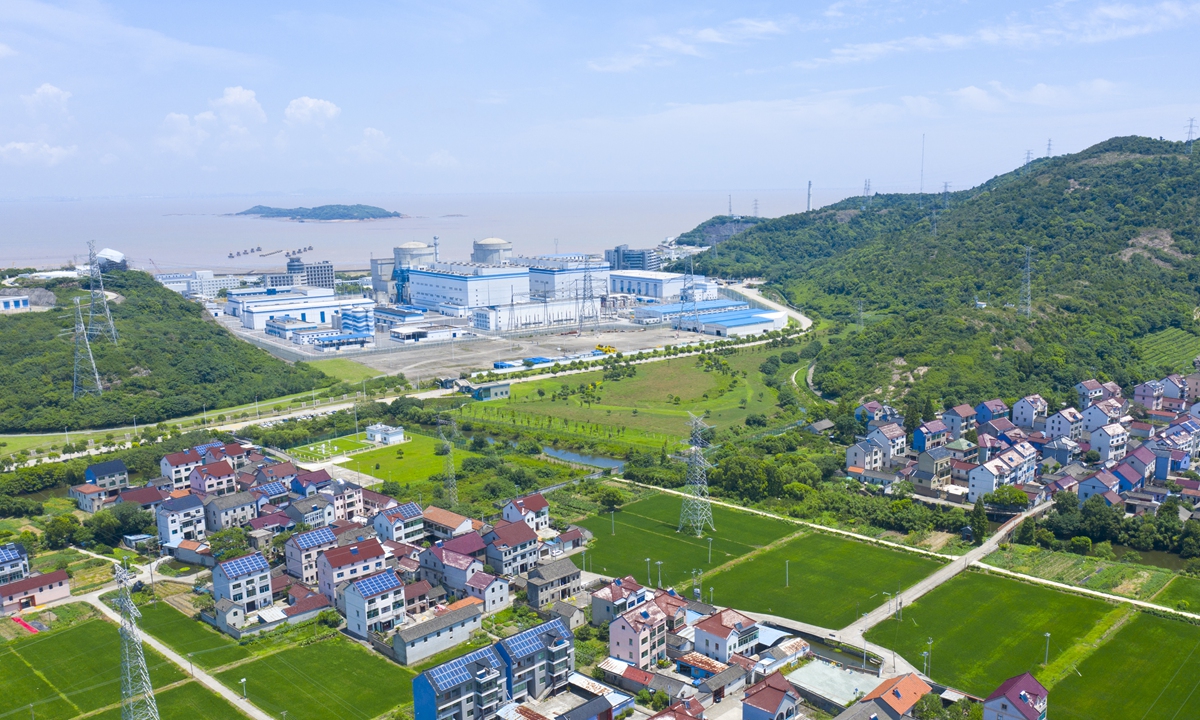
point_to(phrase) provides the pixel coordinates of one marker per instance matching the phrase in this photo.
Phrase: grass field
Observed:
(1134, 581)
(189, 701)
(344, 369)
(330, 679)
(70, 672)
(1149, 669)
(648, 408)
(986, 629)
(647, 528)
(830, 579)
(1182, 589)
(326, 449)
(1172, 347)
(190, 638)
(413, 460)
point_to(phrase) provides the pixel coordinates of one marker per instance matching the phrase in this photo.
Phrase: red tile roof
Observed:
(724, 622)
(443, 517)
(900, 693)
(466, 544)
(314, 477)
(637, 675)
(33, 583)
(218, 469)
(142, 495)
(350, 554)
(530, 503)
(618, 589)
(512, 534)
(278, 471)
(770, 692)
(187, 457)
(308, 604)
(1024, 692)
(417, 589)
(481, 580)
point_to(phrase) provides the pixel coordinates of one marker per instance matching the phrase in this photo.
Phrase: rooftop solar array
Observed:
(201, 449)
(250, 564)
(532, 640)
(272, 489)
(313, 538)
(456, 671)
(408, 511)
(381, 583)
(9, 552)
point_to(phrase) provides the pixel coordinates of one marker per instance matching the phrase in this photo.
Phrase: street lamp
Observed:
(889, 601)
(648, 578)
(786, 573)
(1047, 660)
(659, 564)
(926, 663)
(711, 596)
(864, 644)
(710, 551)
(930, 644)
(243, 682)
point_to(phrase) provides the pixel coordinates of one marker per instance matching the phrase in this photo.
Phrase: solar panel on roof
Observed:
(245, 565)
(455, 672)
(531, 640)
(383, 582)
(313, 538)
(272, 488)
(9, 552)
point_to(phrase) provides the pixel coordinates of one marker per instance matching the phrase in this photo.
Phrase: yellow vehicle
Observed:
(606, 349)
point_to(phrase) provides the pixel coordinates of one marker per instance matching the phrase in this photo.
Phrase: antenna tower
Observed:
(449, 482)
(137, 694)
(696, 514)
(1027, 287)
(589, 315)
(97, 325)
(1191, 134)
(866, 193)
(755, 207)
(1048, 146)
(809, 197)
(512, 309)
(83, 383)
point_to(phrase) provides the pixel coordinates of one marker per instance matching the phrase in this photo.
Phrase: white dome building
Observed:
(491, 251)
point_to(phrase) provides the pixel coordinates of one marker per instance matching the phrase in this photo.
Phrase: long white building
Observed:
(456, 288)
(651, 285)
(256, 306)
(555, 277)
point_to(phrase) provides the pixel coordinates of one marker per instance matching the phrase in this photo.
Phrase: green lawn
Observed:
(1149, 669)
(647, 528)
(189, 701)
(1182, 589)
(73, 671)
(330, 679)
(207, 647)
(986, 629)
(829, 579)
(413, 460)
(346, 370)
(326, 449)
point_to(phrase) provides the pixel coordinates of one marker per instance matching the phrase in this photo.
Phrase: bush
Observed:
(756, 420)
(1081, 545)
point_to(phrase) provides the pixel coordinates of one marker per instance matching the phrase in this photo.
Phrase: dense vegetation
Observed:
(323, 212)
(1113, 238)
(717, 230)
(171, 361)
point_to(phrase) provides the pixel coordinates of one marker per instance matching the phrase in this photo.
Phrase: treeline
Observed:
(1068, 523)
(170, 362)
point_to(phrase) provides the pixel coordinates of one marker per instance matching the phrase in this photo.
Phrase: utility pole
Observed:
(659, 564)
(648, 578)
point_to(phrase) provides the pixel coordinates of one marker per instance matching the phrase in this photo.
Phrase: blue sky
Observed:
(204, 98)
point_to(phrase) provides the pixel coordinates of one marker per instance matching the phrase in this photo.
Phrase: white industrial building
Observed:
(736, 323)
(256, 306)
(532, 314)
(408, 334)
(202, 283)
(655, 286)
(554, 277)
(456, 288)
(655, 313)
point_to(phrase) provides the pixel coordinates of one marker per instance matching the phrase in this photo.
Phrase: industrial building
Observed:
(284, 327)
(669, 312)
(407, 334)
(735, 323)
(532, 314)
(554, 277)
(256, 306)
(387, 318)
(360, 320)
(649, 285)
(14, 303)
(202, 283)
(491, 251)
(383, 280)
(622, 258)
(455, 288)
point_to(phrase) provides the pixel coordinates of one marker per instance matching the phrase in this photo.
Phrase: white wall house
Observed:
(1030, 411)
(987, 477)
(403, 523)
(245, 581)
(893, 440)
(1067, 423)
(1111, 442)
(373, 604)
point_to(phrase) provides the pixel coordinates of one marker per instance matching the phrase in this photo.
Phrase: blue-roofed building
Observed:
(471, 686)
(273, 493)
(735, 323)
(14, 563)
(669, 312)
(373, 604)
(302, 550)
(404, 523)
(538, 661)
(107, 475)
(245, 581)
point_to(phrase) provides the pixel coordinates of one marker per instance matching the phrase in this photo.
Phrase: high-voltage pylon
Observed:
(137, 694)
(1027, 286)
(691, 311)
(589, 314)
(696, 514)
(100, 320)
(449, 481)
(84, 382)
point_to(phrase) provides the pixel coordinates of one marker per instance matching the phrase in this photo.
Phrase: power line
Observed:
(866, 192)
(696, 514)
(1191, 134)
(449, 481)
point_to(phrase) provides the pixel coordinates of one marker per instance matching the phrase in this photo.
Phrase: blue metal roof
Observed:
(736, 318)
(376, 584)
(248, 565)
(313, 538)
(702, 306)
(456, 672)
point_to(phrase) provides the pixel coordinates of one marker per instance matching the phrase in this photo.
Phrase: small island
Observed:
(324, 212)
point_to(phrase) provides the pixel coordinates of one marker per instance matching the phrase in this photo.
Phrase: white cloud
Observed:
(306, 110)
(47, 97)
(998, 97)
(184, 135)
(238, 108)
(663, 49)
(6, 51)
(373, 146)
(35, 153)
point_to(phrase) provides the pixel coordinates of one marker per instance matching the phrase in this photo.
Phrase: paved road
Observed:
(741, 289)
(893, 664)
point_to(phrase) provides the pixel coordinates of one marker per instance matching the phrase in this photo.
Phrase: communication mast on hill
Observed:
(83, 382)
(696, 514)
(1048, 146)
(1027, 286)
(137, 693)
(866, 193)
(99, 318)
(1191, 134)
(945, 196)
(449, 482)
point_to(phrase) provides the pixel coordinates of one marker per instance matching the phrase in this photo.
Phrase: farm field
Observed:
(830, 579)
(1171, 347)
(647, 528)
(326, 449)
(986, 629)
(1182, 589)
(310, 683)
(1160, 653)
(190, 638)
(69, 672)
(344, 369)
(407, 462)
(649, 408)
(1140, 582)
(189, 701)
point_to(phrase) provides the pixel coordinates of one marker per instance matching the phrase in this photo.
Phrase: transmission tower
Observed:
(99, 318)
(449, 482)
(866, 193)
(1026, 287)
(588, 313)
(1028, 158)
(83, 382)
(1191, 134)
(945, 196)
(690, 309)
(696, 514)
(1048, 146)
(755, 207)
(137, 694)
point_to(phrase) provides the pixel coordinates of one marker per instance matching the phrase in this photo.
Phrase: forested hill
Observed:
(324, 212)
(1113, 239)
(171, 361)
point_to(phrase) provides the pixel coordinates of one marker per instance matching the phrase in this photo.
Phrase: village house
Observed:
(415, 643)
(616, 597)
(538, 661)
(346, 498)
(302, 549)
(180, 518)
(1149, 394)
(1018, 698)
(558, 580)
(1067, 423)
(990, 410)
(214, 479)
(865, 455)
(314, 511)
(772, 698)
(533, 510)
(222, 512)
(1030, 412)
(109, 475)
(403, 523)
(893, 441)
(639, 636)
(178, 466)
(350, 562)
(14, 562)
(491, 590)
(724, 633)
(452, 570)
(245, 581)
(90, 498)
(933, 471)
(512, 548)
(1101, 483)
(442, 524)
(929, 435)
(1110, 441)
(34, 590)
(232, 453)
(959, 420)
(892, 699)
(1104, 412)
(284, 472)
(963, 449)
(987, 477)
(373, 604)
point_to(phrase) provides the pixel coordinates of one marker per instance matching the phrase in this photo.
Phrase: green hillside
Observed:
(1113, 236)
(171, 361)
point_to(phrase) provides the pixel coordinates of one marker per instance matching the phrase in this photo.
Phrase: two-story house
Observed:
(933, 471)
(373, 604)
(724, 633)
(447, 568)
(442, 524)
(180, 518)
(349, 562)
(512, 547)
(403, 523)
(491, 590)
(533, 510)
(245, 581)
(222, 512)
(214, 479)
(639, 636)
(109, 476)
(558, 580)
(302, 550)
(178, 466)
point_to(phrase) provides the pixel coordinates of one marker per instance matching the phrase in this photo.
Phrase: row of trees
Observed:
(1096, 523)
